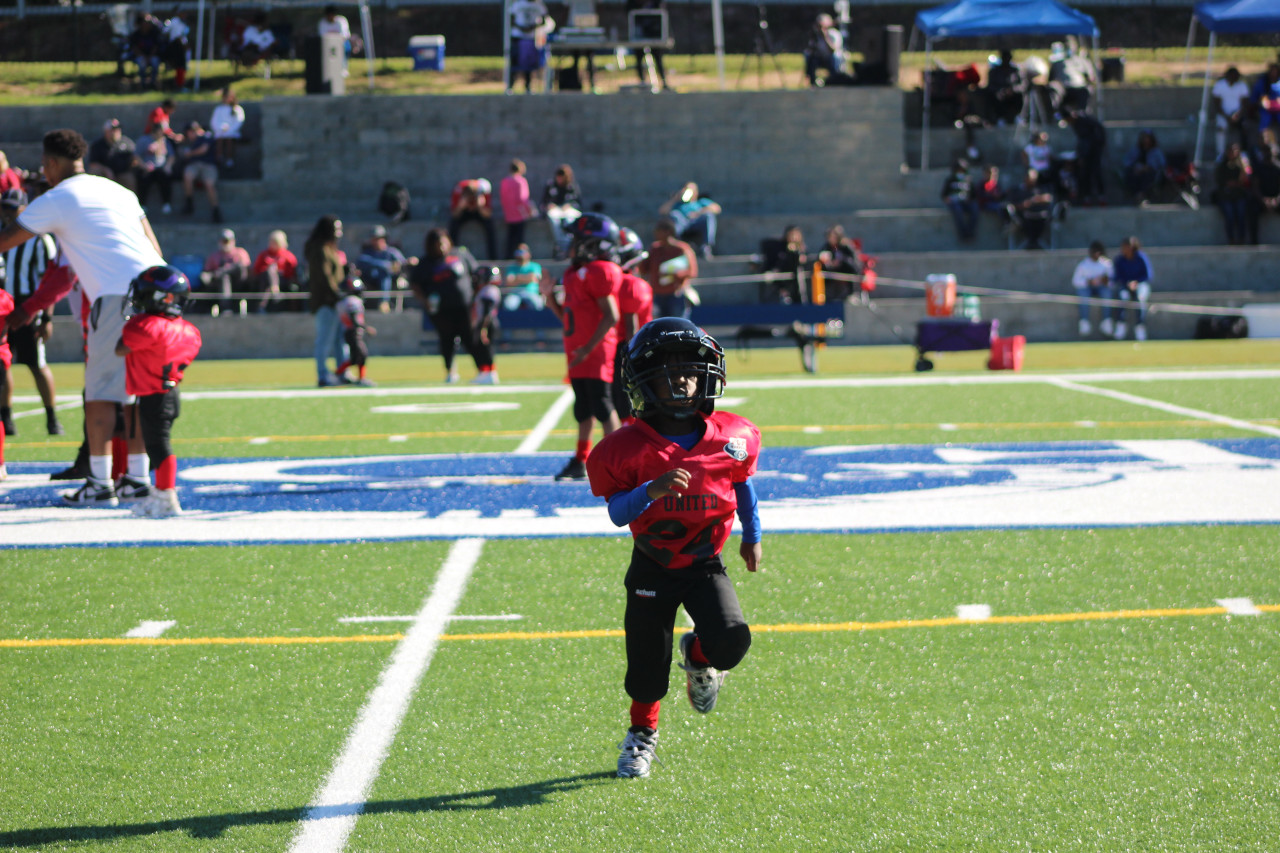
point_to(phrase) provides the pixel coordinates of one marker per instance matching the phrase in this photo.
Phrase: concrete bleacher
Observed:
(811, 158)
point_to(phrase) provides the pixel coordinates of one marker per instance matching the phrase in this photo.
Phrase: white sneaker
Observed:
(1105, 326)
(4, 473)
(163, 503)
(451, 378)
(702, 682)
(1140, 332)
(1121, 331)
(488, 377)
(130, 488)
(1085, 328)
(639, 751)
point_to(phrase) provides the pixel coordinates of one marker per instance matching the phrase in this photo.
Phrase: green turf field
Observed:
(1109, 703)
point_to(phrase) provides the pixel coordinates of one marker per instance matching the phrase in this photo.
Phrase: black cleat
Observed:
(576, 469)
(74, 472)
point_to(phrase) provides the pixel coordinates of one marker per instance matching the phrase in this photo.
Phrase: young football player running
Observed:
(677, 475)
(635, 303)
(350, 310)
(6, 359)
(157, 345)
(589, 314)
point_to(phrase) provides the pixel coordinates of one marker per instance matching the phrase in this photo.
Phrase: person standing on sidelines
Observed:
(23, 266)
(590, 316)
(105, 235)
(635, 303)
(677, 476)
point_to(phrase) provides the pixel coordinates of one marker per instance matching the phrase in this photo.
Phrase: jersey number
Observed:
(670, 530)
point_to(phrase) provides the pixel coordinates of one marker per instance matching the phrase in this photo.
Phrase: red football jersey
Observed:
(635, 296)
(160, 349)
(679, 530)
(582, 287)
(6, 308)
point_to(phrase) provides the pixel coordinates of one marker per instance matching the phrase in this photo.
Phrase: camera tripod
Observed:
(763, 44)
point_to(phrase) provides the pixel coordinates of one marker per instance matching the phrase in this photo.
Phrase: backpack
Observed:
(393, 201)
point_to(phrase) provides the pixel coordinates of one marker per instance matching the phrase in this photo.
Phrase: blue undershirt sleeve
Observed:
(748, 511)
(625, 507)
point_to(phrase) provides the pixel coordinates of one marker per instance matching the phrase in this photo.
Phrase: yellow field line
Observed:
(520, 433)
(949, 621)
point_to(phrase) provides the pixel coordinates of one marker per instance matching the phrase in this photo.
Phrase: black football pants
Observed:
(653, 595)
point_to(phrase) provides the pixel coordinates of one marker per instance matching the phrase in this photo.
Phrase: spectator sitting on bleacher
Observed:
(792, 257)
(1131, 282)
(380, 266)
(162, 116)
(694, 216)
(562, 205)
(521, 281)
(1038, 154)
(275, 271)
(1091, 279)
(839, 254)
(226, 123)
(146, 43)
(989, 195)
(1144, 167)
(10, 178)
(957, 195)
(156, 158)
(472, 201)
(825, 51)
(226, 270)
(257, 42)
(670, 270)
(1030, 209)
(200, 163)
(114, 155)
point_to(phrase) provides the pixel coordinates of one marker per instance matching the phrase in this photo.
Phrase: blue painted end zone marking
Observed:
(843, 489)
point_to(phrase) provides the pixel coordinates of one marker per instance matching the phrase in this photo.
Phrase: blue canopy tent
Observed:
(975, 18)
(1229, 16)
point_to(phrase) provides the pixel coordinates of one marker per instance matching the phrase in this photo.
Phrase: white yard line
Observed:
(332, 815)
(31, 413)
(548, 422)
(497, 617)
(1199, 414)
(149, 628)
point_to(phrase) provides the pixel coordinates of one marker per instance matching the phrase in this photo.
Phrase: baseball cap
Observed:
(379, 231)
(110, 123)
(228, 234)
(13, 198)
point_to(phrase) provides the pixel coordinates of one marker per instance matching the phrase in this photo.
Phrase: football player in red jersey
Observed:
(635, 303)
(157, 345)
(6, 358)
(677, 476)
(589, 314)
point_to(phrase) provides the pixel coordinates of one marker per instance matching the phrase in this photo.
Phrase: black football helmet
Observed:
(631, 250)
(160, 290)
(595, 237)
(672, 345)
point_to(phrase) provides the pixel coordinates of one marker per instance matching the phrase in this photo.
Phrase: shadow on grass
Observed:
(213, 826)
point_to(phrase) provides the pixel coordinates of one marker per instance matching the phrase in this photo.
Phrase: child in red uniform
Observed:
(589, 314)
(635, 304)
(351, 315)
(677, 475)
(157, 345)
(6, 358)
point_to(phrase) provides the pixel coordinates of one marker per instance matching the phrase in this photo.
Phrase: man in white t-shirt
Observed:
(1230, 94)
(1091, 279)
(107, 239)
(334, 24)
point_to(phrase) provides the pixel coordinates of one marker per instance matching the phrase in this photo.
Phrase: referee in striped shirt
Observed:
(21, 268)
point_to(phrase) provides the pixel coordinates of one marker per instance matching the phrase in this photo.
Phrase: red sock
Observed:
(167, 473)
(645, 714)
(342, 368)
(695, 652)
(1, 447)
(584, 447)
(180, 77)
(119, 457)
(362, 371)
